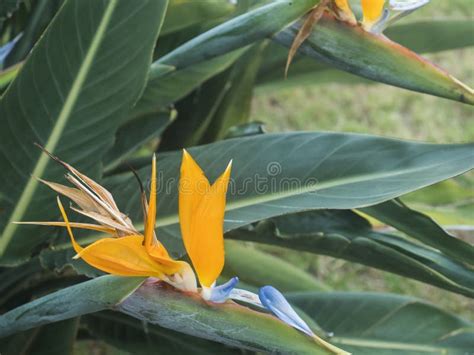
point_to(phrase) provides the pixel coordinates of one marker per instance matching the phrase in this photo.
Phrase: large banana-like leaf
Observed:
(423, 228)
(70, 97)
(276, 174)
(346, 235)
(375, 57)
(226, 323)
(382, 324)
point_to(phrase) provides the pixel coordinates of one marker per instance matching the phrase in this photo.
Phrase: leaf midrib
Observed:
(63, 117)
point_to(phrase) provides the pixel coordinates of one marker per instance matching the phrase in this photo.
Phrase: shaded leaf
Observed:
(374, 323)
(195, 114)
(234, 108)
(7, 8)
(221, 102)
(136, 337)
(135, 133)
(345, 235)
(164, 88)
(258, 268)
(56, 338)
(58, 260)
(41, 15)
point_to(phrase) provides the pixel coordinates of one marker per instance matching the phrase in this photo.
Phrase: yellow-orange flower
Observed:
(201, 215)
(127, 252)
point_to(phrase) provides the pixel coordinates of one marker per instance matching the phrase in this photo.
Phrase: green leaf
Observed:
(374, 323)
(87, 297)
(375, 57)
(234, 109)
(186, 13)
(238, 32)
(162, 305)
(257, 268)
(346, 235)
(195, 114)
(18, 343)
(135, 133)
(166, 87)
(136, 337)
(58, 260)
(300, 171)
(39, 18)
(7, 7)
(12, 277)
(70, 97)
(221, 102)
(423, 228)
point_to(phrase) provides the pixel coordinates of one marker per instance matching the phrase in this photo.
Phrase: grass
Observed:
(381, 110)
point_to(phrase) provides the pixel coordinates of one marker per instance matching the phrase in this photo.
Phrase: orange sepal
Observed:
(201, 213)
(125, 256)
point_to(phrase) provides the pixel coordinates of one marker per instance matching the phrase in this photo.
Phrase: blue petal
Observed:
(221, 293)
(274, 301)
(7, 48)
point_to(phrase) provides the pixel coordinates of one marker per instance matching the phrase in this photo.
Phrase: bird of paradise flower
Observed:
(127, 252)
